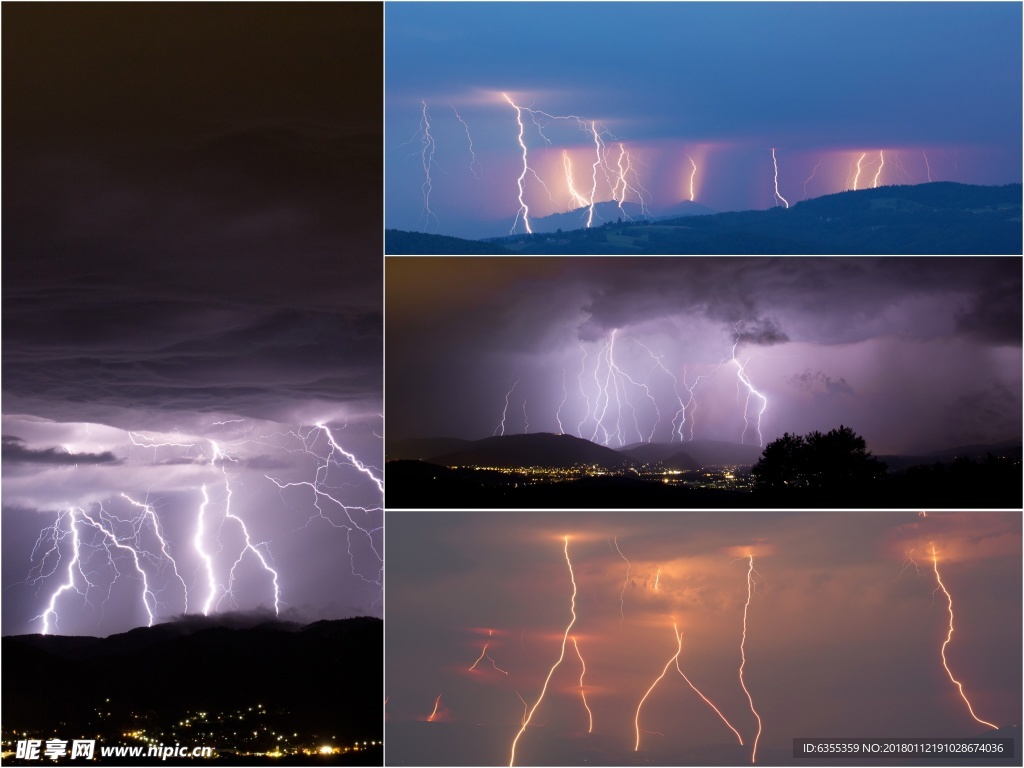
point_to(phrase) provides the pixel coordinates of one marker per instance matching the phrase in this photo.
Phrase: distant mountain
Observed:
(1011, 449)
(704, 453)
(541, 449)
(939, 218)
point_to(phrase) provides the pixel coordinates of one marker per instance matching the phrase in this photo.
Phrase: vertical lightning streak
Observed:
(812, 176)
(927, 165)
(561, 655)
(558, 413)
(878, 173)
(148, 512)
(679, 649)
(427, 147)
(51, 607)
(504, 413)
(857, 177)
(775, 163)
(472, 154)
(197, 541)
(741, 374)
(949, 636)
(743, 655)
(583, 695)
(625, 583)
(693, 175)
(524, 209)
(437, 703)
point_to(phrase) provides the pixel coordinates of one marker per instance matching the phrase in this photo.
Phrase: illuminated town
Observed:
(723, 477)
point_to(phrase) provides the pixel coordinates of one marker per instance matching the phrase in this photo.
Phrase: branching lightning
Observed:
(122, 539)
(484, 655)
(669, 663)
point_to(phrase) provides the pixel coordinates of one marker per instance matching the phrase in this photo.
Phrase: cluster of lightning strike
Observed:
(98, 554)
(619, 406)
(610, 170)
(530, 710)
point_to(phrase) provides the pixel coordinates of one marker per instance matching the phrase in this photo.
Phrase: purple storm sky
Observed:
(191, 284)
(924, 91)
(844, 630)
(915, 354)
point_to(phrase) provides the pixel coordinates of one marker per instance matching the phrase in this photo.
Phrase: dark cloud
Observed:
(896, 338)
(820, 383)
(14, 450)
(764, 332)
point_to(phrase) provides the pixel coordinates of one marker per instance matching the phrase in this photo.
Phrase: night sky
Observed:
(935, 87)
(191, 258)
(913, 354)
(843, 632)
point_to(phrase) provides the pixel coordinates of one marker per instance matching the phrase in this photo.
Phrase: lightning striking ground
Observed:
(561, 655)
(949, 636)
(775, 164)
(743, 655)
(121, 540)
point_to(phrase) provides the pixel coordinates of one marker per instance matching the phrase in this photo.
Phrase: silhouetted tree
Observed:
(835, 460)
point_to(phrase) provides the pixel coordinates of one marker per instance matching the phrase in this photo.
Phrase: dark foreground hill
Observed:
(322, 680)
(939, 218)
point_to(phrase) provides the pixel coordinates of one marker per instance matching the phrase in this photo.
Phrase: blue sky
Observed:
(721, 83)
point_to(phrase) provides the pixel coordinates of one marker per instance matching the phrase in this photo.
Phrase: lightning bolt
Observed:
(878, 173)
(625, 583)
(583, 695)
(743, 655)
(574, 196)
(320, 443)
(927, 165)
(811, 177)
(427, 148)
(483, 655)
(856, 178)
(741, 375)
(558, 413)
(222, 458)
(775, 163)
(675, 657)
(561, 655)
(504, 413)
(437, 703)
(705, 698)
(472, 154)
(74, 564)
(524, 209)
(949, 636)
(693, 175)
